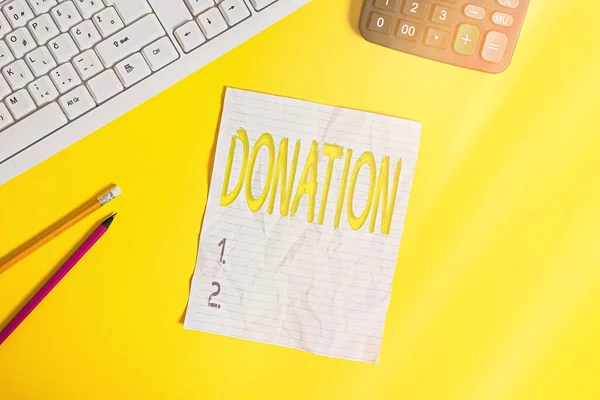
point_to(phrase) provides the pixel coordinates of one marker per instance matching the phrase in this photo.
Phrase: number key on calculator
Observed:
(475, 34)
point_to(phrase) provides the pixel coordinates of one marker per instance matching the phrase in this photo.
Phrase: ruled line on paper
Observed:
(312, 294)
(308, 233)
(289, 244)
(264, 327)
(409, 151)
(255, 295)
(410, 146)
(343, 112)
(281, 278)
(342, 229)
(303, 323)
(304, 333)
(337, 289)
(278, 267)
(248, 311)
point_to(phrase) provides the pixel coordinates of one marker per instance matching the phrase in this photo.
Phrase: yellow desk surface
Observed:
(497, 288)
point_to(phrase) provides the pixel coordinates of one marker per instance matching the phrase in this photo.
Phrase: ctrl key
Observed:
(381, 23)
(160, 53)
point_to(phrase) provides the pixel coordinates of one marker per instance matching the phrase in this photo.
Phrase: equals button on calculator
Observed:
(475, 34)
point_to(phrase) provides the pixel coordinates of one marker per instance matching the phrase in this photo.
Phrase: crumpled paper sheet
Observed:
(310, 266)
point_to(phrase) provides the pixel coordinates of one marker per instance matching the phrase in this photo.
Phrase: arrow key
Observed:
(189, 36)
(234, 11)
(212, 23)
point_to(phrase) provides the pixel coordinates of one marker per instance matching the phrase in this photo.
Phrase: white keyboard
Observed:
(68, 67)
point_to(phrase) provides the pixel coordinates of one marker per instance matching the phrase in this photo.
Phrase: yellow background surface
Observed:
(497, 288)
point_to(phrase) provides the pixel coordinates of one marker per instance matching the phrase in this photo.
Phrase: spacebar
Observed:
(28, 131)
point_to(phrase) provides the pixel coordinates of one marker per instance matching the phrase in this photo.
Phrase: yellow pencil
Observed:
(57, 229)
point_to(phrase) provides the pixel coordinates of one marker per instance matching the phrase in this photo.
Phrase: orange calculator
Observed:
(475, 34)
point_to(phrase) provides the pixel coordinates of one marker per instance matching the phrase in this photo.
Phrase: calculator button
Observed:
(415, 8)
(494, 47)
(380, 23)
(466, 39)
(476, 12)
(442, 15)
(408, 30)
(502, 19)
(509, 3)
(436, 38)
(390, 5)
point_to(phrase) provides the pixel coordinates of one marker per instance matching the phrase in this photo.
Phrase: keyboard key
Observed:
(189, 36)
(466, 39)
(105, 86)
(43, 91)
(437, 38)
(6, 55)
(260, 4)
(502, 19)
(108, 21)
(20, 42)
(381, 23)
(408, 30)
(65, 78)
(130, 40)
(5, 27)
(389, 5)
(63, 48)
(160, 53)
(130, 10)
(235, 11)
(41, 6)
(509, 3)
(40, 61)
(66, 15)
(442, 15)
(212, 23)
(87, 8)
(5, 117)
(20, 104)
(43, 28)
(18, 74)
(30, 130)
(18, 13)
(132, 70)
(494, 46)
(415, 8)
(5, 89)
(86, 35)
(87, 64)
(473, 11)
(77, 102)
(198, 6)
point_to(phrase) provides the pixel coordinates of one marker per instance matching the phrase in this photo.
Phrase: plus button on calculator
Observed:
(475, 34)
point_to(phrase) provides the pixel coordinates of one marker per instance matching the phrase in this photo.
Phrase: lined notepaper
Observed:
(281, 279)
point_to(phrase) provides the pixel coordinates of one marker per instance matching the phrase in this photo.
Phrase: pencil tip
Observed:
(109, 220)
